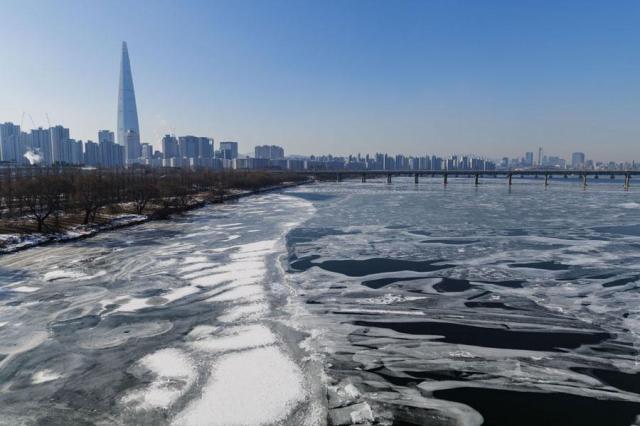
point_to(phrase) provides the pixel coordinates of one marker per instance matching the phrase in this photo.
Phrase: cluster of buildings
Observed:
(578, 161)
(54, 146)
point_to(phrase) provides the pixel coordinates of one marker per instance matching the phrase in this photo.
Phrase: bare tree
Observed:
(91, 192)
(43, 196)
(141, 192)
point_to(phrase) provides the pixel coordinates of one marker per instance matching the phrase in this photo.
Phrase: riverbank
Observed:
(14, 242)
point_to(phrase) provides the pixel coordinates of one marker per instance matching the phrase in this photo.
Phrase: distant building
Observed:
(577, 160)
(10, 147)
(128, 129)
(59, 140)
(270, 152)
(147, 151)
(106, 136)
(169, 147)
(229, 150)
(41, 144)
(76, 153)
(188, 146)
(111, 154)
(528, 159)
(91, 154)
(205, 147)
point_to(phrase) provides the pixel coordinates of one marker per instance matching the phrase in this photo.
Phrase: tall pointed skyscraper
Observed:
(128, 130)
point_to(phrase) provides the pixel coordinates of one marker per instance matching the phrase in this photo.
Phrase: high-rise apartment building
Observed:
(10, 147)
(229, 150)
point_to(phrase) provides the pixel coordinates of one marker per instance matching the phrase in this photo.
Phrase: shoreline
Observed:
(81, 232)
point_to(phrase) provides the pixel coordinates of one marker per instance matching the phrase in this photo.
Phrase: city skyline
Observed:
(439, 89)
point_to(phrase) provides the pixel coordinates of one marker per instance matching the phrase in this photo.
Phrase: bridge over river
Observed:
(583, 175)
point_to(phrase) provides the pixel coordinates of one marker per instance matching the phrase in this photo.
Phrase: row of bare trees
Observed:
(38, 194)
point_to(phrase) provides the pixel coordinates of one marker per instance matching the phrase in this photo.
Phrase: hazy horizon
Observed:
(491, 78)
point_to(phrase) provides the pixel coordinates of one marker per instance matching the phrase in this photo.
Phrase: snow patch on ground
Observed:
(259, 386)
(10, 243)
(174, 374)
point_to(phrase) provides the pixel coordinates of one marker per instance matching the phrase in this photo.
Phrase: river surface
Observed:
(389, 303)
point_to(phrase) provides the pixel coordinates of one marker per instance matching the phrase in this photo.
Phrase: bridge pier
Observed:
(415, 178)
(477, 179)
(389, 178)
(364, 178)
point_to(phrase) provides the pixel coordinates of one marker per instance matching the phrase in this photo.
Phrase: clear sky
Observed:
(480, 77)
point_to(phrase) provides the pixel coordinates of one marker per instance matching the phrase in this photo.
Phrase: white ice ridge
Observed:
(236, 338)
(254, 387)
(174, 374)
(44, 376)
(133, 304)
(58, 274)
(245, 312)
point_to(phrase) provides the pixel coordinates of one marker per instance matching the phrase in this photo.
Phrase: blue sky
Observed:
(485, 77)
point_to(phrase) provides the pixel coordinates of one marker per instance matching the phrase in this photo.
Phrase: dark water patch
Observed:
(585, 273)
(603, 276)
(508, 408)
(152, 292)
(548, 265)
(506, 283)
(450, 242)
(452, 285)
(360, 268)
(490, 305)
(625, 381)
(383, 282)
(633, 230)
(621, 281)
(304, 263)
(492, 337)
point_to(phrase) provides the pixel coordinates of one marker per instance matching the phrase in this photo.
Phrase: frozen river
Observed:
(412, 304)
(181, 322)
